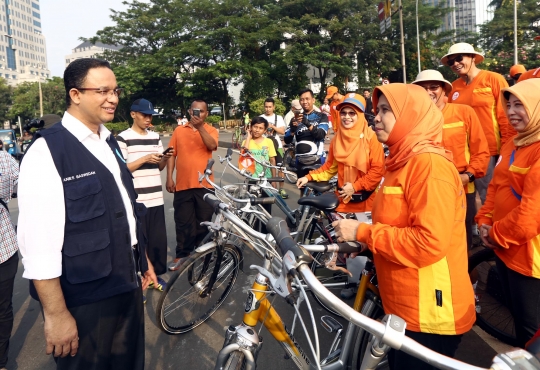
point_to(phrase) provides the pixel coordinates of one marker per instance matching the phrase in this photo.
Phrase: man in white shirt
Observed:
(81, 247)
(143, 151)
(276, 127)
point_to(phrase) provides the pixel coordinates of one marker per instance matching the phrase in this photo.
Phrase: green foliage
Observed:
(257, 106)
(117, 127)
(5, 99)
(213, 119)
(25, 99)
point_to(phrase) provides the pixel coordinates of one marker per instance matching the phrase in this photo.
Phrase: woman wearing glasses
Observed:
(418, 232)
(480, 90)
(462, 135)
(510, 219)
(355, 156)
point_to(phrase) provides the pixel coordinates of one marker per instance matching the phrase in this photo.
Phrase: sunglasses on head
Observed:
(458, 59)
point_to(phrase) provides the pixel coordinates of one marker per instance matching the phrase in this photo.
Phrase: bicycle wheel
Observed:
(334, 281)
(492, 313)
(236, 139)
(235, 361)
(371, 308)
(185, 304)
(289, 161)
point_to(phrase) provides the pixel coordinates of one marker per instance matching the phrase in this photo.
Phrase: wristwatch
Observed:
(471, 176)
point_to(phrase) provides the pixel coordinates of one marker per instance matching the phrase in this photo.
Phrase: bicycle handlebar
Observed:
(278, 228)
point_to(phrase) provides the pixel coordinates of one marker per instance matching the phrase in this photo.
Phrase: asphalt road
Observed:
(197, 349)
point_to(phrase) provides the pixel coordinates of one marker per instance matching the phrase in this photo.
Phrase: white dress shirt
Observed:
(42, 213)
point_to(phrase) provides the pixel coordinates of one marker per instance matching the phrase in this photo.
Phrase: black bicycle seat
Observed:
(321, 187)
(325, 202)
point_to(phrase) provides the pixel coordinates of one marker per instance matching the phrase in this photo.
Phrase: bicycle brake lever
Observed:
(212, 225)
(201, 176)
(221, 159)
(330, 264)
(280, 285)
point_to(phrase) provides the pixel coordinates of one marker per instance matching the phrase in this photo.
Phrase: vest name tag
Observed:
(70, 178)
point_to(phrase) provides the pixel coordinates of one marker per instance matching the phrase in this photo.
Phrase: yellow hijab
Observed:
(528, 92)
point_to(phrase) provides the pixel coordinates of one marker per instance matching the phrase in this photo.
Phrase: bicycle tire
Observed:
(181, 307)
(493, 315)
(326, 277)
(235, 361)
(371, 308)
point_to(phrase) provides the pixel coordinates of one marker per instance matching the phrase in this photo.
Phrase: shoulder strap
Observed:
(516, 194)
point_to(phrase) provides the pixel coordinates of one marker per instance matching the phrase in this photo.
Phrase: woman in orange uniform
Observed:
(418, 232)
(510, 219)
(355, 156)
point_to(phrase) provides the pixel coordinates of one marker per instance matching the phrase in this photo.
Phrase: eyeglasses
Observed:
(348, 113)
(432, 87)
(103, 92)
(458, 59)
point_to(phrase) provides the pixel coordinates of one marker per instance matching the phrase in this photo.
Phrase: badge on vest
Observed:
(71, 178)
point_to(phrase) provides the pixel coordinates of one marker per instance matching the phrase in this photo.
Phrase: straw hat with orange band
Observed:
(418, 127)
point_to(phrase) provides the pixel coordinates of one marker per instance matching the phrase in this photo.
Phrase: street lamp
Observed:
(418, 40)
(515, 34)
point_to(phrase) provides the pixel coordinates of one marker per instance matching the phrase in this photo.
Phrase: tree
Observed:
(26, 99)
(5, 99)
(497, 35)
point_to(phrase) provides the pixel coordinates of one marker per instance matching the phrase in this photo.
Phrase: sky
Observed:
(65, 21)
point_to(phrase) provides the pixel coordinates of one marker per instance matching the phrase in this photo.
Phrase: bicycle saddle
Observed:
(325, 202)
(321, 187)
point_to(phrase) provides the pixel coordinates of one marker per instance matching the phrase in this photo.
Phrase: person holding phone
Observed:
(143, 151)
(193, 145)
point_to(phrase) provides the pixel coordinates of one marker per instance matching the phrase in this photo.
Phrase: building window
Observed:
(35, 6)
(36, 14)
(37, 24)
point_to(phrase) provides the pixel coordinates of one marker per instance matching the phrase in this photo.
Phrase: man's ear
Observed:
(132, 115)
(75, 96)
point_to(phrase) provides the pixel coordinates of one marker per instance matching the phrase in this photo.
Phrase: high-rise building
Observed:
(468, 15)
(23, 52)
(89, 50)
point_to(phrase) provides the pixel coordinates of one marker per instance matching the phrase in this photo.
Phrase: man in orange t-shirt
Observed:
(193, 145)
(332, 92)
(480, 90)
(463, 136)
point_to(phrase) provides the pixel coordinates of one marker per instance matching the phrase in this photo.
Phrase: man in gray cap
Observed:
(145, 158)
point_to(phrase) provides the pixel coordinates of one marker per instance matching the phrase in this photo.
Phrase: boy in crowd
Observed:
(145, 158)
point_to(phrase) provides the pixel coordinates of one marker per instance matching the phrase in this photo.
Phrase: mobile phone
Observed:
(167, 151)
(196, 112)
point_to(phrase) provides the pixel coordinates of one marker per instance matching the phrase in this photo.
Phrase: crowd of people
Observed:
(105, 240)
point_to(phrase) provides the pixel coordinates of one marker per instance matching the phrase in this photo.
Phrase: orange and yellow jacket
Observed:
(516, 224)
(483, 95)
(464, 137)
(419, 246)
(365, 181)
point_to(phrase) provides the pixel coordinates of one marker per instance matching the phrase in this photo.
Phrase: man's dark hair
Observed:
(368, 90)
(199, 101)
(302, 92)
(270, 100)
(76, 73)
(257, 120)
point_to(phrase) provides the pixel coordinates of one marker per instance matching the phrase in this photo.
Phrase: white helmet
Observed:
(433, 75)
(463, 48)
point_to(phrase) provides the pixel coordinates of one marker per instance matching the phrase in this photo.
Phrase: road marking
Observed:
(494, 343)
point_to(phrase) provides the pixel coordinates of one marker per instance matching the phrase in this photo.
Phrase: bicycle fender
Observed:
(205, 247)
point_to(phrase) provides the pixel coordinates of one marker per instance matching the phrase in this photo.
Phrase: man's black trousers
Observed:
(8, 270)
(156, 233)
(190, 210)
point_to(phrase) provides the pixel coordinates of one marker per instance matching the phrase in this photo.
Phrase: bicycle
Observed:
(289, 161)
(492, 312)
(238, 135)
(243, 343)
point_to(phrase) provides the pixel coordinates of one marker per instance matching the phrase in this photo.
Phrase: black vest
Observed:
(98, 260)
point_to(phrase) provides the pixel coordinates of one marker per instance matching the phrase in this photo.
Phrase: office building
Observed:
(89, 50)
(468, 14)
(23, 52)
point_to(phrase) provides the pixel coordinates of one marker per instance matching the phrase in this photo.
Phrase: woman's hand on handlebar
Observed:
(301, 182)
(346, 230)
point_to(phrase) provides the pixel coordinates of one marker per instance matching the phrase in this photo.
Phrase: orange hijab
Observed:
(418, 127)
(528, 92)
(351, 146)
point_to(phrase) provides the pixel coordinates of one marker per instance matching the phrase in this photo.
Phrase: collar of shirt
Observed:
(80, 131)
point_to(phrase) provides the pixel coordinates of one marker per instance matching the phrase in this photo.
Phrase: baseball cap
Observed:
(295, 104)
(143, 106)
(517, 69)
(330, 91)
(356, 100)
